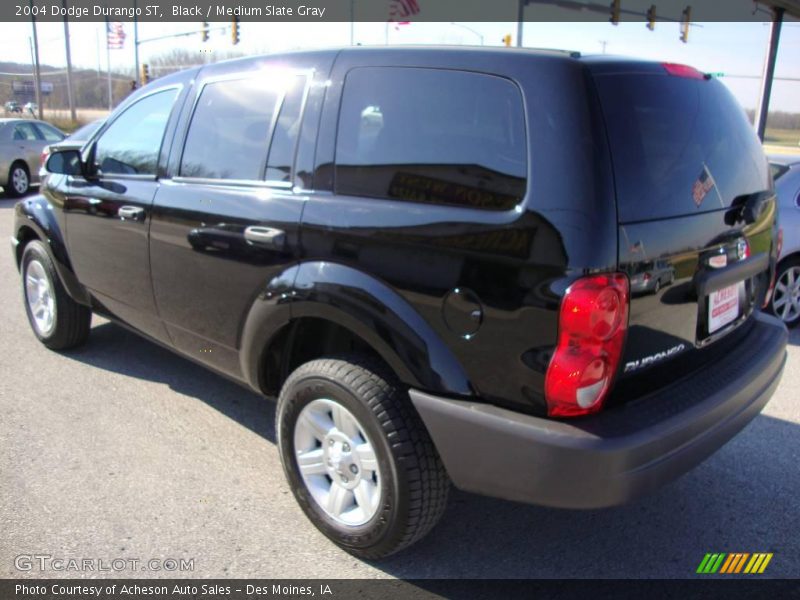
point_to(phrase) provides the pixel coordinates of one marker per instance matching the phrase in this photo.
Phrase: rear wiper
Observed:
(747, 208)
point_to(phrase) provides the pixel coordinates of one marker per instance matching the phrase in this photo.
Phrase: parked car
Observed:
(785, 300)
(651, 276)
(12, 106)
(427, 263)
(21, 144)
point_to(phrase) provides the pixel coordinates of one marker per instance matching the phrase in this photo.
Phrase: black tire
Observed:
(10, 189)
(414, 484)
(784, 266)
(72, 320)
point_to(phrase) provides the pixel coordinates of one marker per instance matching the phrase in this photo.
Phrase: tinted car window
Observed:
(25, 131)
(433, 136)
(49, 133)
(229, 132)
(678, 145)
(287, 128)
(132, 142)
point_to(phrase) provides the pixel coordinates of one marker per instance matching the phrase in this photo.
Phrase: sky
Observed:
(735, 49)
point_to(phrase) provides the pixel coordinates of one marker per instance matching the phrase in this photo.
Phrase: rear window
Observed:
(679, 145)
(432, 136)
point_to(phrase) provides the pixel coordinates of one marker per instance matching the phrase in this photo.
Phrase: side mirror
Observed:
(65, 162)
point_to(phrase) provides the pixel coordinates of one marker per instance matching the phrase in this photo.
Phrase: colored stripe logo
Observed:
(734, 562)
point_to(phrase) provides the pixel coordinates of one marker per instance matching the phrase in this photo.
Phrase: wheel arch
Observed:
(320, 308)
(34, 220)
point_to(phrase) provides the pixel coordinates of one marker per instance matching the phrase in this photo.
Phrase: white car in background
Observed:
(785, 302)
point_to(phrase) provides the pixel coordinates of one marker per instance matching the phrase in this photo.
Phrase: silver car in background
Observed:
(785, 302)
(21, 144)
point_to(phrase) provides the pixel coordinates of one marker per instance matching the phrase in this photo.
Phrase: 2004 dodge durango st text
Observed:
(482, 267)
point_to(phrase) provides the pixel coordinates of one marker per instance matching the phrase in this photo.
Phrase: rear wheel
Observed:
(785, 302)
(19, 180)
(56, 319)
(359, 459)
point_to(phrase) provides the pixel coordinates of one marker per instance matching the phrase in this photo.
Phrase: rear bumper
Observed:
(612, 457)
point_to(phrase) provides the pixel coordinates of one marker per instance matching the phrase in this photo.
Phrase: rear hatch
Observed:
(695, 213)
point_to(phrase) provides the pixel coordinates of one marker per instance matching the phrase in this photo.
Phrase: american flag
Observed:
(400, 9)
(115, 35)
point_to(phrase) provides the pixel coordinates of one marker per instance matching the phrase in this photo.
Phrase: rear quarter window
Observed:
(432, 136)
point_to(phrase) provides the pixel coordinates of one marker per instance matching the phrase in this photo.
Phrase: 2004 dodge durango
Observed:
(427, 255)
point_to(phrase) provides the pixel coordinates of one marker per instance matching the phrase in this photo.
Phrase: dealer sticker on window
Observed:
(723, 307)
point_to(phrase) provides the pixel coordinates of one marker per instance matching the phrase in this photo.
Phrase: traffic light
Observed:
(615, 9)
(687, 17)
(204, 31)
(145, 73)
(507, 39)
(651, 18)
(235, 31)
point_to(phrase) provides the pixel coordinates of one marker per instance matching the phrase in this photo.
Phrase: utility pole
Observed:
(769, 73)
(136, 44)
(37, 75)
(352, 21)
(108, 72)
(69, 63)
(603, 43)
(520, 21)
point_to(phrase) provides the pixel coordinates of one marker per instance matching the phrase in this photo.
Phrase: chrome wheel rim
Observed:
(19, 180)
(337, 462)
(40, 297)
(786, 296)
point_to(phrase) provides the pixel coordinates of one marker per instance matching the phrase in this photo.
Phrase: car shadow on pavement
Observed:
(742, 499)
(114, 348)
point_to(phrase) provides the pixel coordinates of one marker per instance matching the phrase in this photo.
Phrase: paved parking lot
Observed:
(124, 450)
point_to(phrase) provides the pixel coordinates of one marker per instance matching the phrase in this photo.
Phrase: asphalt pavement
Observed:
(123, 450)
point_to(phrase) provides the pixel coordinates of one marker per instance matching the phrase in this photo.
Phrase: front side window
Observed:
(229, 133)
(433, 136)
(131, 144)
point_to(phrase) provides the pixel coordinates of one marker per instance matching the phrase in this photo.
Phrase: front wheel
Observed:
(358, 457)
(56, 319)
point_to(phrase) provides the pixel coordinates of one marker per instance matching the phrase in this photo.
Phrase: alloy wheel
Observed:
(786, 296)
(337, 462)
(40, 297)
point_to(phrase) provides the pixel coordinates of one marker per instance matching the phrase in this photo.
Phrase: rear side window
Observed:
(51, 134)
(229, 133)
(287, 129)
(25, 131)
(679, 145)
(432, 136)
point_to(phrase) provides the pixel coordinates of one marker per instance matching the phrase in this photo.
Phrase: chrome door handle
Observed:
(134, 213)
(265, 236)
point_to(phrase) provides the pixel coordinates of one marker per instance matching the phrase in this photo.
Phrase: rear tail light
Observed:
(646, 276)
(686, 71)
(592, 325)
(45, 154)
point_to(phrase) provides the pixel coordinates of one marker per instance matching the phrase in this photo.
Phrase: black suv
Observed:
(426, 254)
